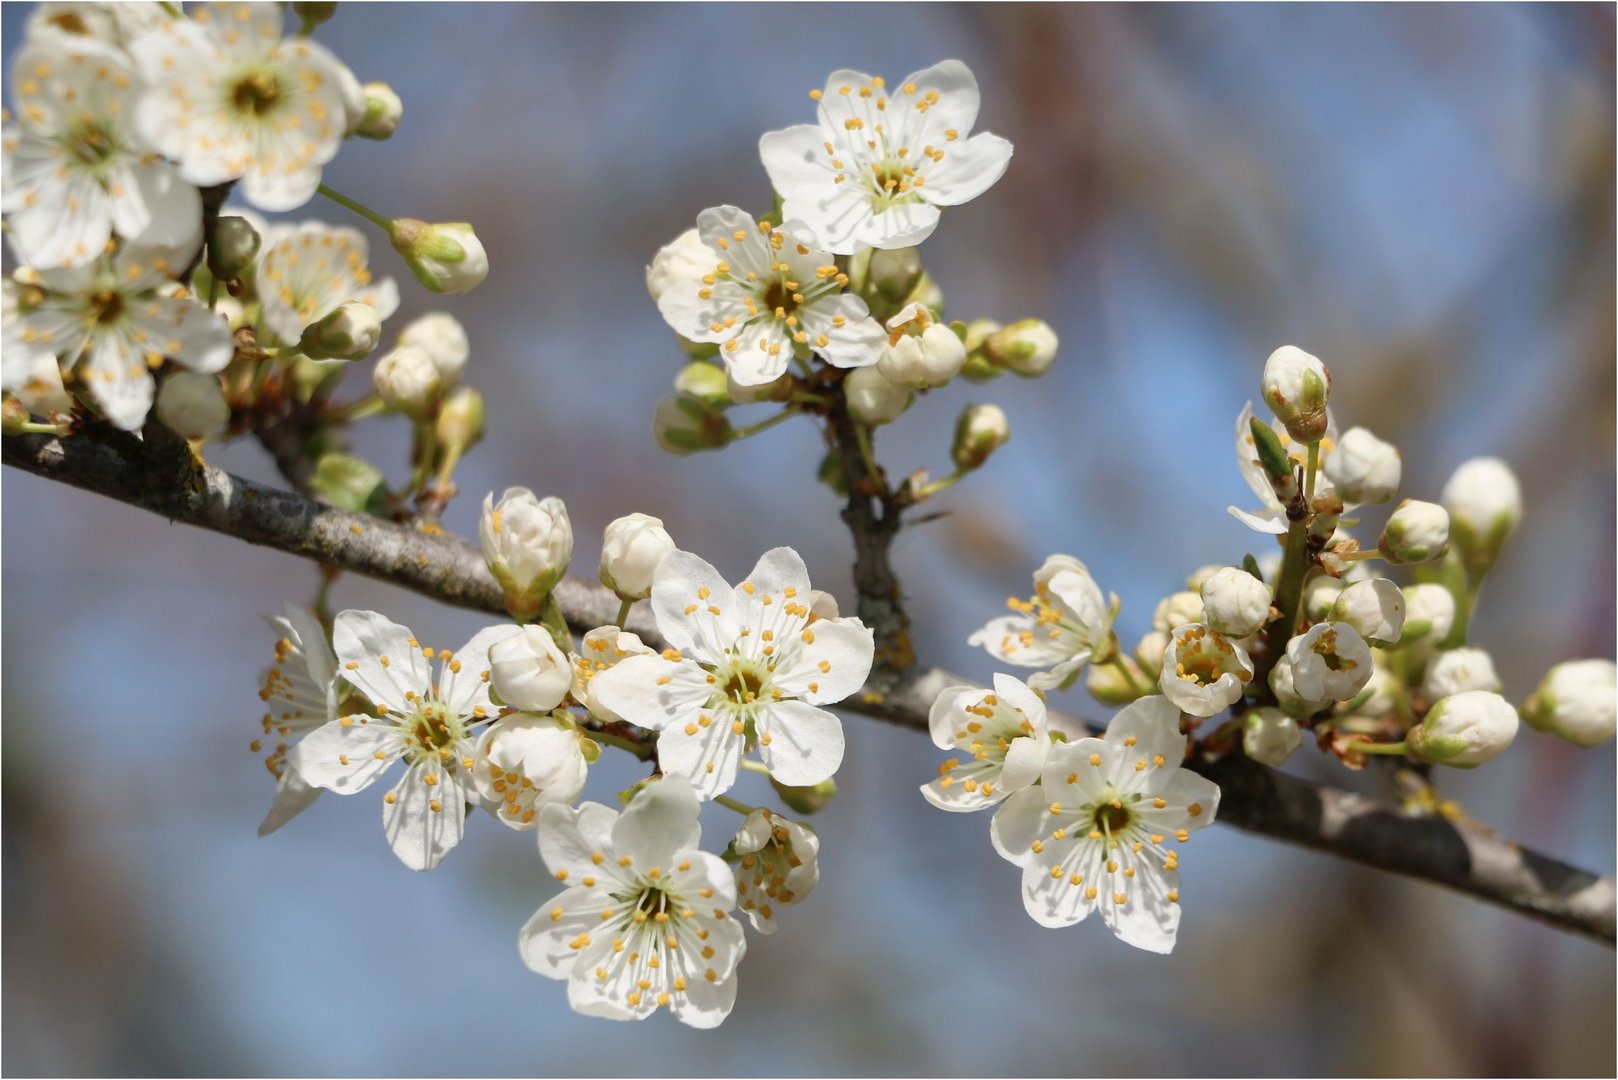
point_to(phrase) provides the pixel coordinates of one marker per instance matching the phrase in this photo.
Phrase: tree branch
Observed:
(175, 484)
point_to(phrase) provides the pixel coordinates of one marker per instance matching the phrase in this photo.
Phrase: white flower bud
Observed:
(527, 542)
(630, 551)
(1150, 649)
(1110, 686)
(1485, 505)
(546, 753)
(1295, 387)
(1176, 610)
(1464, 730)
(446, 258)
(1330, 662)
(684, 425)
(1027, 347)
(1269, 735)
(383, 111)
(921, 352)
(979, 431)
(350, 332)
(192, 404)
(1319, 594)
(1204, 672)
(822, 605)
(1234, 602)
(441, 336)
(1417, 532)
(528, 671)
(232, 247)
(1201, 574)
(873, 399)
(1363, 468)
(1375, 608)
(1456, 671)
(601, 649)
(1577, 700)
(1380, 695)
(1283, 684)
(1429, 614)
(460, 420)
(684, 259)
(407, 381)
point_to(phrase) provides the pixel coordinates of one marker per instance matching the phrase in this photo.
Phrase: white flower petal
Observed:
(708, 756)
(292, 797)
(651, 692)
(467, 690)
(1018, 823)
(832, 661)
(546, 939)
(805, 743)
(968, 170)
(687, 594)
(660, 823)
(569, 840)
(362, 640)
(424, 821)
(343, 755)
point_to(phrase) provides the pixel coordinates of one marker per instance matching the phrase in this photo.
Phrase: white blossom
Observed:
(1176, 610)
(1464, 730)
(1295, 386)
(1062, 627)
(429, 724)
(350, 332)
(1417, 532)
(921, 351)
(1094, 834)
(523, 762)
(1429, 615)
(1577, 700)
(446, 257)
(1363, 468)
(308, 271)
(1204, 672)
(229, 99)
(1027, 347)
(441, 336)
(1283, 684)
(528, 671)
(778, 864)
(300, 693)
(1375, 608)
(80, 21)
(645, 920)
(877, 164)
(192, 405)
(873, 398)
(745, 670)
(528, 543)
(1234, 602)
(599, 650)
(631, 549)
(407, 381)
(683, 261)
(1002, 735)
(1269, 735)
(1329, 662)
(111, 322)
(769, 295)
(1319, 594)
(75, 171)
(1455, 671)
(980, 430)
(1484, 503)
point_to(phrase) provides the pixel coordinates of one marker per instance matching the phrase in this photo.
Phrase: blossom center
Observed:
(106, 307)
(432, 732)
(257, 92)
(90, 145)
(1111, 818)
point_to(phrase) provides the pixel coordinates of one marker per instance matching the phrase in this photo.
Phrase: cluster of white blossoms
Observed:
(132, 123)
(512, 721)
(1309, 638)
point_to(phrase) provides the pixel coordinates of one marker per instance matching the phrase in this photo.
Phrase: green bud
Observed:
(704, 382)
(927, 294)
(350, 332)
(890, 277)
(1250, 564)
(313, 12)
(460, 420)
(446, 258)
(232, 248)
(979, 432)
(1027, 347)
(806, 800)
(383, 111)
(590, 749)
(1271, 455)
(1109, 686)
(684, 425)
(349, 483)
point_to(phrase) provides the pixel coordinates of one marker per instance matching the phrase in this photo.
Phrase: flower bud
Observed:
(1417, 532)
(1176, 610)
(630, 551)
(1330, 662)
(1577, 700)
(1319, 594)
(1429, 614)
(441, 336)
(1150, 648)
(349, 483)
(232, 247)
(779, 389)
(684, 259)
(446, 258)
(979, 432)
(527, 542)
(1485, 505)
(1198, 577)
(548, 757)
(893, 274)
(528, 671)
(1027, 347)
(1375, 608)
(1363, 468)
(806, 800)
(873, 399)
(192, 404)
(1284, 685)
(979, 368)
(1109, 686)
(704, 382)
(1235, 602)
(1295, 387)
(1464, 730)
(684, 425)
(921, 352)
(460, 420)
(1269, 735)
(927, 294)
(349, 332)
(1456, 671)
(383, 111)
(407, 381)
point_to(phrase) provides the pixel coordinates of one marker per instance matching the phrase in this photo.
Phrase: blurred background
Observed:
(1420, 195)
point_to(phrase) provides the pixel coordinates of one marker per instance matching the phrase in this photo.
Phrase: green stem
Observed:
(763, 425)
(213, 291)
(385, 224)
(426, 443)
(29, 427)
(1395, 749)
(1129, 676)
(862, 436)
(355, 410)
(809, 399)
(623, 612)
(629, 745)
(734, 804)
(942, 484)
(755, 766)
(1314, 466)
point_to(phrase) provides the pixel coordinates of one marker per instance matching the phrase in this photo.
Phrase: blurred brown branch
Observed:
(162, 475)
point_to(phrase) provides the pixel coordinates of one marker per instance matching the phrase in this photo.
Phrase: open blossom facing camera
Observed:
(430, 724)
(1002, 736)
(745, 670)
(111, 322)
(1063, 626)
(76, 171)
(879, 161)
(645, 921)
(768, 295)
(1204, 672)
(299, 694)
(229, 99)
(1093, 835)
